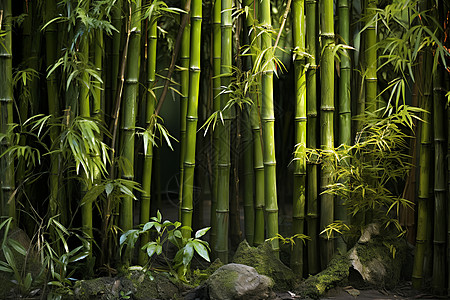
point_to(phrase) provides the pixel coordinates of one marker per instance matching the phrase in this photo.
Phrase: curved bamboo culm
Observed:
(268, 130)
(299, 193)
(224, 162)
(371, 80)
(311, 135)
(184, 61)
(424, 171)
(6, 108)
(439, 258)
(345, 113)
(327, 130)
(217, 57)
(51, 36)
(148, 155)
(131, 90)
(192, 115)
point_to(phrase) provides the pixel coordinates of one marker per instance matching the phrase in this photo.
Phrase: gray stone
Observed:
(236, 281)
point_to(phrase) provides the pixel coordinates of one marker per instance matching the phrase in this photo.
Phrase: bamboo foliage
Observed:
(327, 119)
(300, 135)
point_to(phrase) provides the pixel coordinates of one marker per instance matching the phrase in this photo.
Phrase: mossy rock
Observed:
(158, 286)
(263, 259)
(200, 276)
(336, 272)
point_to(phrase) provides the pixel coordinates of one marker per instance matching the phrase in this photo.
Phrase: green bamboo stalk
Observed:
(6, 108)
(97, 111)
(439, 259)
(371, 80)
(327, 130)
(116, 21)
(131, 90)
(424, 173)
(258, 164)
(184, 61)
(248, 178)
(150, 109)
(345, 114)
(311, 135)
(268, 120)
(192, 115)
(217, 57)
(224, 162)
(298, 208)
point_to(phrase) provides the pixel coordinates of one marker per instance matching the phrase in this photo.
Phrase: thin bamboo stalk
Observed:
(424, 175)
(131, 90)
(439, 259)
(311, 135)
(327, 130)
(224, 162)
(298, 208)
(184, 61)
(268, 130)
(345, 114)
(6, 108)
(248, 178)
(192, 115)
(217, 57)
(150, 109)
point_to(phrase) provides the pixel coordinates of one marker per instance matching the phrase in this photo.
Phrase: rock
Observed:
(379, 260)
(236, 281)
(266, 263)
(316, 286)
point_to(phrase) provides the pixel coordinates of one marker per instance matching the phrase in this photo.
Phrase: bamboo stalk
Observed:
(424, 174)
(299, 194)
(327, 130)
(6, 108)
(311, 135)
(184, 61)
(371, 80)
(268, 130)
(192, 115)
(216, 57)
(248, 178)
(439, 258)
(131, 90)
(345, 114)
(224, 161)
(148, 154)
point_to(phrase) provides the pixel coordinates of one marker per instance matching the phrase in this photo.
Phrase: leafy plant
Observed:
(168, 232)
(365, 172)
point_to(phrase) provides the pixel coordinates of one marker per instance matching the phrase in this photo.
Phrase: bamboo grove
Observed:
(313, 116)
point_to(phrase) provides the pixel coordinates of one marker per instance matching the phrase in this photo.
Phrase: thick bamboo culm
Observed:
(371, 80)
(326, 128)
(299, 193)
(6, 109)
(440, 222)
(51, 33)
(224, 162)
(345, 114)
(268, 130)
(149, 111)
(426, 103)
(311, 135)
(184, 62)
(192, 116)
(131, 90)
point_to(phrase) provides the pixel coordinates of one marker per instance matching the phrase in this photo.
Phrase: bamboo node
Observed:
(6, 100)
(301, 119)
(328, 35)
(327, 108)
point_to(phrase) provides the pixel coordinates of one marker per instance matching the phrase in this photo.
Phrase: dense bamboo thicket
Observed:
(272, 85)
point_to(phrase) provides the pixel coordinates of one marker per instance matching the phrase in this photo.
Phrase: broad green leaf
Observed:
(188, 253)
(201, 232)
(201, 250)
